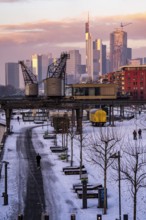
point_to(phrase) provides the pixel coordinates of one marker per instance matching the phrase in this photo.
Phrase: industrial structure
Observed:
(30, 80)
(54, 83)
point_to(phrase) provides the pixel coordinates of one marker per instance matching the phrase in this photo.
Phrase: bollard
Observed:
(20, 217)
(125, 217)
(45, 216)
(99, 217)
(84, 197)
(73, 217)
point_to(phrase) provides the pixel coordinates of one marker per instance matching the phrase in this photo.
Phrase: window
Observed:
(97, 91)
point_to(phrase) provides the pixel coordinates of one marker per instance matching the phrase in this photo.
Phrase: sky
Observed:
(53, 26)
(64, 196)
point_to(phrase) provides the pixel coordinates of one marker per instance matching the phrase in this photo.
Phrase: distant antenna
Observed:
(87, 25)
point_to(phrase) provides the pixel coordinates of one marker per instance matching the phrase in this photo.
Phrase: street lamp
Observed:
(5, 194)
(47, 124)
(117, 156)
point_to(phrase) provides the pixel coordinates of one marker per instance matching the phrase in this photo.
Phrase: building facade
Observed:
(119, 53)
(99, 59)
(130, 79)
(73, 67)
(12, 74)
(39, 67)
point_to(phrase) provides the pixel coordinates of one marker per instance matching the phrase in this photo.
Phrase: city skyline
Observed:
(45, 26)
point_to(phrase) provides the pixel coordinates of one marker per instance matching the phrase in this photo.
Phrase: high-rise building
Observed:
(144, 60)
(89, 52)
(39, 67)
(12, 74)
(73, 66)
(129, 54)
(99, 58)
(137, 61)
(118, 49)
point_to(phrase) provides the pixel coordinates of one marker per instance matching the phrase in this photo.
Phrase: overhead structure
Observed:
(54, 84)
(30, 80)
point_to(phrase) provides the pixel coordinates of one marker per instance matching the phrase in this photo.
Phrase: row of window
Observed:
(135, 91)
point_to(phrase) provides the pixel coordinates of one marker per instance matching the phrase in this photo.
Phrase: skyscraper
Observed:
(72, 67)
(118, 49)
(39, 67)
(99, 58)
(89, 51)
(12, 74)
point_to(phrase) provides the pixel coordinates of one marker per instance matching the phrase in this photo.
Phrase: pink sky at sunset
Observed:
(29, 26)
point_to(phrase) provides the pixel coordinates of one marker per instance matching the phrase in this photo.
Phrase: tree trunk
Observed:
(71, 160)
(135, 202)
(105, 192)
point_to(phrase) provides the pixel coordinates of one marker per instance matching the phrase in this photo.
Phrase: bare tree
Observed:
(133, 170)
(102, 146)
(72, 134)
(82, 139)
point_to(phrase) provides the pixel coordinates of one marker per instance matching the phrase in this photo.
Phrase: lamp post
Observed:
(117, 156)
(5, 194)
(47, 125)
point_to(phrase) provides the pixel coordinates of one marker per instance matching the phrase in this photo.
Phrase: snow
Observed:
(67, 202)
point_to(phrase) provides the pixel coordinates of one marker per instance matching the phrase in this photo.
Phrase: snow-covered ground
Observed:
(66, 199)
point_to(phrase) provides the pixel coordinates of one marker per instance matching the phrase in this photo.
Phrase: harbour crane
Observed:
(54, 84)
(30, 80)
(29, 77)
(58, 68)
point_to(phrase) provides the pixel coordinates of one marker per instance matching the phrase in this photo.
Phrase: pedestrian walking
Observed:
(38, 160)
(140, 133)
(18, 119)
(134, 135)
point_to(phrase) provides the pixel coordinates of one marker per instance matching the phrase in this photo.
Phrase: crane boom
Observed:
(29, 77)
(123, 25)
(58, 68)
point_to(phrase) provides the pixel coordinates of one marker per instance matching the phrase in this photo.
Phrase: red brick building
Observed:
(130, 80)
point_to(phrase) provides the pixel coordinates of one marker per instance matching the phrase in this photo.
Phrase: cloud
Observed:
(19, 1)
(42, 32)
(71, 30)
(11, 1)
(56, 36)
(133, 25)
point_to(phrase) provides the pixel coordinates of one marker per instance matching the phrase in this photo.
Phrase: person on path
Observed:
(18, 119)
(38, 160)
(140, 133)
(134, 135)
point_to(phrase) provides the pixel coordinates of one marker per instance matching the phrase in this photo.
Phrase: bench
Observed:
(89, 187)
(73, 167)
(49, 136)
(58, 149)
(74, 171)
(80, 185)
(90, 195)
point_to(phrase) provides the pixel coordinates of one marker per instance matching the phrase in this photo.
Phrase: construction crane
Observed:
(57, 69)
(123, 25)
(29, 77)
